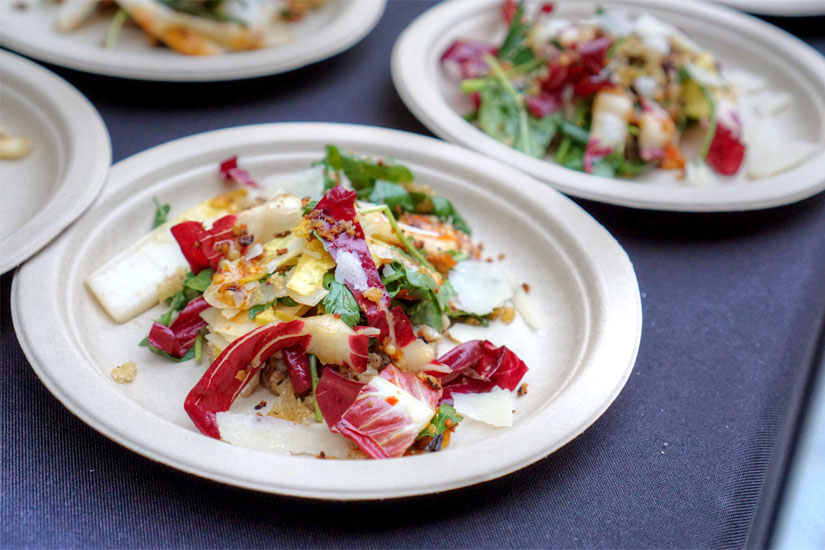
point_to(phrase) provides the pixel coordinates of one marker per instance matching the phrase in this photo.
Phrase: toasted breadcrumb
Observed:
(125, 373)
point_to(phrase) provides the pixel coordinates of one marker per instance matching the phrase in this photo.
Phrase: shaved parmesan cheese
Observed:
(349, 270)
(225, 328)
(274, 435)
(654, 32)
(494, 407)
(772, 103)
(745, 82)
(526, 309)
(480, 286)
(306, 183)
(704, 76)
(698, 173)
(779, 159)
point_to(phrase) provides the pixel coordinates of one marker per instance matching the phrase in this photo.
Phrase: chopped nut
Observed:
(125, 373)
(507, 315)
(522, 390)
(373, 295)
(502, 256)
(526, 287)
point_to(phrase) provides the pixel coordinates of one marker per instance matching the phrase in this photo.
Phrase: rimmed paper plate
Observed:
(322, 33)
(66, 166)
(786, 8)
(582, 284)
(737, 40)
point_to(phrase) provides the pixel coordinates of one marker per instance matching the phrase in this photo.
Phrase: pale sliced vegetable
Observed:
(698, 173)
(480, 286)
(229, 330)
(704, 76)
(611, 113)
(745, 82)
(654, 32)
(73, 13)
(416, 356)
(416, 411)
(769, 162)
(272, 218)
(494, 407)
(274, 435)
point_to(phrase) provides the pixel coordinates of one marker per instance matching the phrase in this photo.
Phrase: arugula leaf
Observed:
(381, 183)
(513, 48)
(426, 312)
(498, 113)
(189, 354)
(393, 195)
(208, 9)
(444, 294)
(161, 211)
(254, 311)
(341, 301)
(363, 173)
(199, 282)
(542, 131)
(576, 133)
(445, 418)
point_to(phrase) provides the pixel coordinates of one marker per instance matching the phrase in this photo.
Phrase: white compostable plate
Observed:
(738, 41)
(321, 34)
(786, 8)
(581, 282)
(70, 153)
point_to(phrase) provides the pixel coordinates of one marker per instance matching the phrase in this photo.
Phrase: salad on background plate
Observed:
(616, 95)
(341, 303)
(194, 27)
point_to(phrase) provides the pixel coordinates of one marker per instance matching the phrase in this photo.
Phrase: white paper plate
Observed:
(787, 8)
(739, 41)
(582, 283)
(70, 154)
(323, 33)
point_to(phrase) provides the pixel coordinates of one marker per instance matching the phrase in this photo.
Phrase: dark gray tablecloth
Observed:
(733, 309)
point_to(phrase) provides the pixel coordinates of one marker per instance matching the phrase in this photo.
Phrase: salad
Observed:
(338, 298)
(195, 27)
(617, 96)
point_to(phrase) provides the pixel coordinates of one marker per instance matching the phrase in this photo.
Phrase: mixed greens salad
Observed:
(195, 27)
(611, 95)
(335, 297)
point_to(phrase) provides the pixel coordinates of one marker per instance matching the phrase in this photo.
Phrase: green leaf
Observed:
(363, 173)
(498, 114)
(445, 211)
(161, 211)
(438, 424)
(189, 354)
(199, 282)
(393, 195)
(254, 311)
(513, 48)
(576, 133)
(287, 301)
(427, 312)
(208, 9)
(340, 301)
(444, 294)
(542, 131)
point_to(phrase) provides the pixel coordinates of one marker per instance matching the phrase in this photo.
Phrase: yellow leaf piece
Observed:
(309, 273)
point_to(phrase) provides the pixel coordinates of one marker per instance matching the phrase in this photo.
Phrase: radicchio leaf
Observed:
(231, 172)
(179, 337)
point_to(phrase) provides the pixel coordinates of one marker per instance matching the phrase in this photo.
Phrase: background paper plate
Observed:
(323, 33)
(738, 41)
(787, 8)
(70, 154)
(582, 283)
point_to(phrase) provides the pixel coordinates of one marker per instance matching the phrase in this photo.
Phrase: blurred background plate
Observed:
(738, 41)
(63, 172)
(322, 33)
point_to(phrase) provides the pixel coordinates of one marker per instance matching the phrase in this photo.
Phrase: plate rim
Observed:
(783, 8)
(359, 18)
(421, 96)
(619, 282)
(85, 168)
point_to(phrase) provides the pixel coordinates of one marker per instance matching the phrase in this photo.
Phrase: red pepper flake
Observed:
(392, 400)
(548, 7)
(261, 404)
(448, 422)
(489, 260)
(526, 287)
(281, 251)
(282, 234)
